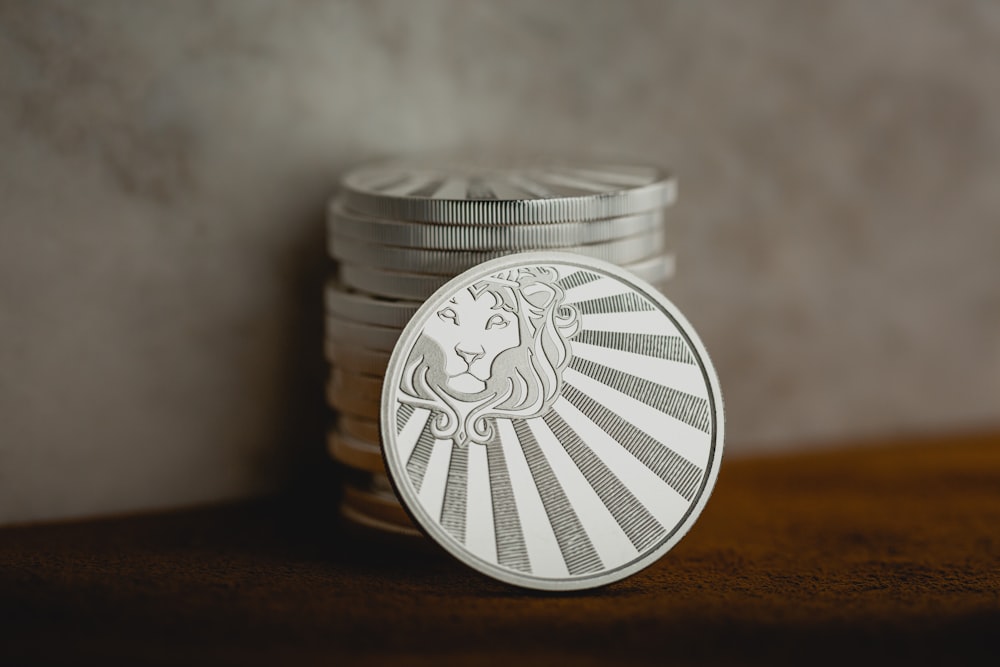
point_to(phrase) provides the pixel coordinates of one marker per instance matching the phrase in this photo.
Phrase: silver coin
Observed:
(529, 192)
(552, 421)
(356, 359)
(451, 262)
(355, 453)
(368, 336)
(417, 287)
(359, 307)
(342, 223)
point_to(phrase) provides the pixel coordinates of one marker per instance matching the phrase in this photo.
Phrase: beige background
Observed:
(165, 167)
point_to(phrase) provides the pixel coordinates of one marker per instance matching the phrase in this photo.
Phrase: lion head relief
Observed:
(495, 349)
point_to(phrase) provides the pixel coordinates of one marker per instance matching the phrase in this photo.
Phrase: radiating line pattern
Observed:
(692, 410)
(671, 348)
(600, 479)
(616, 303)
(456, 494)
(639, 525)
(416, 466)
(577, 279)
(511, 549)
(403, 414)
(679, 473)
(577, 550)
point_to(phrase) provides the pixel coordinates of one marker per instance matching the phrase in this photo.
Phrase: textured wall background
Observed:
(165, 167)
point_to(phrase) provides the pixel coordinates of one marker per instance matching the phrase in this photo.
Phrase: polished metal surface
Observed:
(342, 223)
(417, 287)
(450, 262)
(489, 193)
(552, 421)
(400, 231)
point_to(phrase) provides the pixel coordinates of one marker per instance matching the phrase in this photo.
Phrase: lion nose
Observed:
(468, 355)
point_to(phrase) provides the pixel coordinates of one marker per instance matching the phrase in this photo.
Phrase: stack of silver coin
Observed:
(398, 231)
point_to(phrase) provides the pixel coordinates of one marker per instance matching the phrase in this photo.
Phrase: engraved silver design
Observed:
(552, 421)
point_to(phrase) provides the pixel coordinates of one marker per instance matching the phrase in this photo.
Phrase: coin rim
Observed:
(659, 193)
(437, 262)
(411, 502)
(550, 236)
(397, 281)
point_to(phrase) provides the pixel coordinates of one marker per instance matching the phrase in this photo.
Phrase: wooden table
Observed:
(887, 553)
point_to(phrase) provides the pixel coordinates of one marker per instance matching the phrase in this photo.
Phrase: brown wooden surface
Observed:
(879, 554)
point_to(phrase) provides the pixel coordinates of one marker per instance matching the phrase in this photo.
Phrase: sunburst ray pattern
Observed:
(607, 473)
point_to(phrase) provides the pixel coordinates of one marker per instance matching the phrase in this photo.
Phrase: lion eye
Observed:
(496, 321)
(448, 314)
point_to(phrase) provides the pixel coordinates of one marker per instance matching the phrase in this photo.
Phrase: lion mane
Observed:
(524, 381)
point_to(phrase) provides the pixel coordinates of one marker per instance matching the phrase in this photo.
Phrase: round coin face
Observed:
(552, 421)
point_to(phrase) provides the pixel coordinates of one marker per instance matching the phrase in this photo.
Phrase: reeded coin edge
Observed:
(424, 261)
(342, 223)
(408, 496)
(513, 211)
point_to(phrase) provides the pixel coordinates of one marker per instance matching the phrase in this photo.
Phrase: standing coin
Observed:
(552, 421)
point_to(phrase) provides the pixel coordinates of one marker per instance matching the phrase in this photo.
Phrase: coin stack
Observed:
(398, 231)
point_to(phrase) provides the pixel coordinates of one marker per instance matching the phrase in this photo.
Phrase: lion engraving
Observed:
(496, 349)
